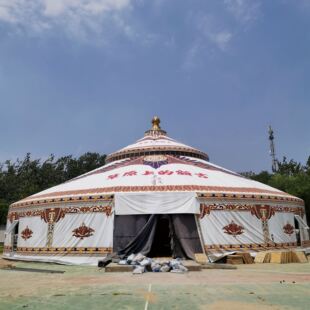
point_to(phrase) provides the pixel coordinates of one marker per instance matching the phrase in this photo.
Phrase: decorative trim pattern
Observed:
(256, 197)
(265, 229)
(260, 211)
(249, 246)
(26, 233)
(162, 188)
(288, 229)
(42, 213)
(52, 215)
(212, 195)
(92, 209)
(7, 248)
(63, 250)
(13, 216)
(50, 234)
(83, 232)
(154, 150)
(56, 201)
(299, 211)
(233, 229)
(204, 210)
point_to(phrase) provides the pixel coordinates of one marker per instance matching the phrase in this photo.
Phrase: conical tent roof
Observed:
(158, 163)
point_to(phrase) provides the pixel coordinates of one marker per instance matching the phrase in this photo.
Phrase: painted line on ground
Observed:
(147, 297)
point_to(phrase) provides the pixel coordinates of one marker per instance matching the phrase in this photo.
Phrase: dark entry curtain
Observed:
(135, 234)
(186, 237)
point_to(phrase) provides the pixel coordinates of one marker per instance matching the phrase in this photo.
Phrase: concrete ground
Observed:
(257, 286)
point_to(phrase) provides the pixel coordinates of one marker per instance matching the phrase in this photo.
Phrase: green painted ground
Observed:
(249, 287)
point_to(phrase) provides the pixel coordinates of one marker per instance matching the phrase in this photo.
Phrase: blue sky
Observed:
(88, 75)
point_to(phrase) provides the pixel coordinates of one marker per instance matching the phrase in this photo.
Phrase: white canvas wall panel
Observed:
(156, 203)
(7, 236)
(102, 236)
(276, 224)
(39, 232)
(304, 233)
(213, 233)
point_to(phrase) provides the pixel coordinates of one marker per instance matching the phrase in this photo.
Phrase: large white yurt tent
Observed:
(157, 197)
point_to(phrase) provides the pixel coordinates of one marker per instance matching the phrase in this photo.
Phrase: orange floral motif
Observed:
(26, 233)
(204, 210)
(233, 229)
(83, 232)
(288, 229)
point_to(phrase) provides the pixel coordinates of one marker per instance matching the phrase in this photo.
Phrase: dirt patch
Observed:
(237, 305)
(5, 264)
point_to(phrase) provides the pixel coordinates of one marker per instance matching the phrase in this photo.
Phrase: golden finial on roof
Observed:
(156, 122)
(155, 130)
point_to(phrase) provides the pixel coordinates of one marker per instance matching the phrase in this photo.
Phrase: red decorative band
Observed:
(7, 248)
(53, 215)
(249, 246)
(263, 212)
(63, 250)
(161, 188)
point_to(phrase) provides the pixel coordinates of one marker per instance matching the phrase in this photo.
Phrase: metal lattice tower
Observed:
(274, 165)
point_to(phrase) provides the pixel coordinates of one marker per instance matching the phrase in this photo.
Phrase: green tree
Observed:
(292, 177)
(26, 177)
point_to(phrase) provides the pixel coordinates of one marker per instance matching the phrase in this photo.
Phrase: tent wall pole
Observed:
(200, 233)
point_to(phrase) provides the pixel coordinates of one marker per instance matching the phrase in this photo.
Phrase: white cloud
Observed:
(244, 11)
(89, 7)
(221, 39)
(304, 5)
(191, 56)
(76, 17)
(213, 31)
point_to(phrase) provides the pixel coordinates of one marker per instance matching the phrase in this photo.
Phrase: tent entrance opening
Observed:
(297, 231)
(15, 238)
(161, 246)
(156, 235)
